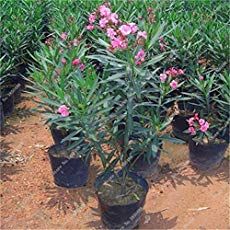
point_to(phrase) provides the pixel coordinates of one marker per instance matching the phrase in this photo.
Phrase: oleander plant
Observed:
(115, 80)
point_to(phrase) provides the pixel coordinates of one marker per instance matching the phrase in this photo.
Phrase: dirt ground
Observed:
(180, 198)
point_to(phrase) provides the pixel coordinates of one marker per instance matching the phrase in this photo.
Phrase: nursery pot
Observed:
(144, 167)
(17, 94)
(7, 100)
(58, 134)
(179, 125)
(121, 216)
(68, 172)
(206, 156)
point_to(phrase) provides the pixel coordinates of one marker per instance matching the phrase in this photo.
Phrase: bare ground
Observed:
(180, 198)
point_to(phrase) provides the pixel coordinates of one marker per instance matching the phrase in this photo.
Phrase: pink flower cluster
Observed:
(196, 123)
(64, 111)
(171, 72)
(116, 30)
(77, 63)
(174, 72)
(140, 57)
(64, 36)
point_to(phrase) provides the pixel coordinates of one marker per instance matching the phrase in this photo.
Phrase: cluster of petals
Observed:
(64, 111)
(63, 36)
(119, 43)
(196, 122)
(105, 15)
(142, 34)
(174, 72)
(140, 57)
(163, 78)
(115, 29)
(173, 84)
(77, 62)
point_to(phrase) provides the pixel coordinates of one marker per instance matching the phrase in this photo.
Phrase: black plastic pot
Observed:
(179, 125)
(143, 167)
(1, 118)
(17, 94)
(206, 156)
(121, 216)
(7, 101)
(68, 172)
(58, 134)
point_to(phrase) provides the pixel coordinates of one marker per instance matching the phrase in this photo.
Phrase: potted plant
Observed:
(196, 96)
(70, 168)
(63, 71)
(208, 144)
(126, 94)
(206, 151)
(60, 62)
(222, 106)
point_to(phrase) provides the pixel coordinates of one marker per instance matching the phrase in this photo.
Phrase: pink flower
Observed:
(75, 42)
(63, 61)
(191, 121)
(133, 27)
(180, 72)
(140, 57)
(63, 36)
(116, 43)
(172, 72)
(113, 18)
(204, 127)
(201, 78)
(173, 84)
(90, 27)
(161, 40)
(76, 62)
(104, 11)
(201, 122)
(103, 22)
(142, 34)
(192, 130)
(163, 77)
(119, 43)
(92, 18)
(63, 110)
(82, 66)
(111, 33)
(162, 47)
(125, 30)
(196, 116)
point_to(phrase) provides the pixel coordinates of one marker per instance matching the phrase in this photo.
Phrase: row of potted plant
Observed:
(122, 112)
(23, 26)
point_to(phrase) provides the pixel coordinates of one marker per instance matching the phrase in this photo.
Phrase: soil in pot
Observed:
(144, 167)
(206, 156)
(68, 172)
(121, 206)
(179, 125)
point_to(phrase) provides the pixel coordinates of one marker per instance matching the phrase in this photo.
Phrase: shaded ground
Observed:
(180, 198)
